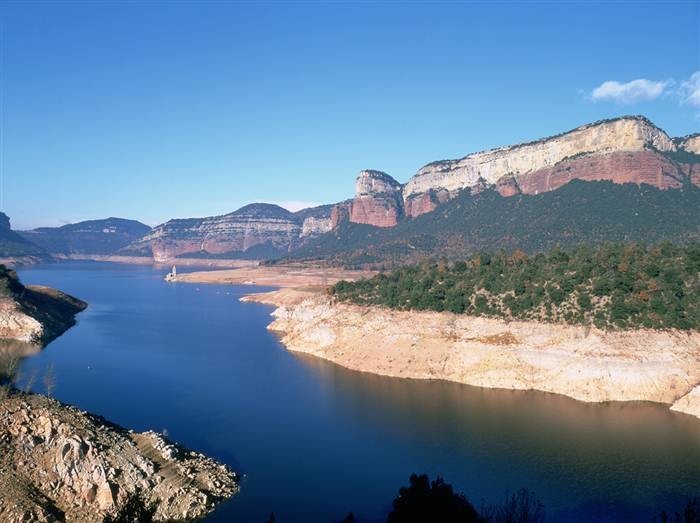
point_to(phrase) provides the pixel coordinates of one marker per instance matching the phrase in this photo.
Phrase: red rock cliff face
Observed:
(340, 213)
(380, 211)
(621, 167)
(425, 202)
(378, 200)
(630, 149)
(508, 187)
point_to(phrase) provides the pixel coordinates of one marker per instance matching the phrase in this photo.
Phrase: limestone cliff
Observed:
(584, 363)
(256, 231)
(378, 199)
(690, 143)
(314, 220)
(630, 149)
(236, 232)
(609, 136)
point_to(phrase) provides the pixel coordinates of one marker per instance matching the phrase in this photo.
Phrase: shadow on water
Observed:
(624, 458)
(12, 352)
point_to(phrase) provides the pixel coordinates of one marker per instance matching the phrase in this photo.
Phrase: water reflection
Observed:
(316, 440)
(634, 453)
(12, 352)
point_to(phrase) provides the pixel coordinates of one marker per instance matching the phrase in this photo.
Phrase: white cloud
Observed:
(690, 90)
(640, 90)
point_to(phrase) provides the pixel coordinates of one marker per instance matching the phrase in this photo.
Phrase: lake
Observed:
(316, 441)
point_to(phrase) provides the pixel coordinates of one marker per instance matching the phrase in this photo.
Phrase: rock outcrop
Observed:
(314, 220)
(378, 200)
(425, 202)
(340, 213)
(256, 231)
(647, 167)
(690, 403)
(609, 136)
(584, 363)
(34, 314)
(630, 149)
(58, 463)
(89, 237)
(690, 143)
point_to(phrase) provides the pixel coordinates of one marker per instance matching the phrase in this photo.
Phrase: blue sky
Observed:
(157, 110)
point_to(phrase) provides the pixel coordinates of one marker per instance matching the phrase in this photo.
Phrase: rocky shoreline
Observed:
(58, 463)
(583, 363)
(34, 313)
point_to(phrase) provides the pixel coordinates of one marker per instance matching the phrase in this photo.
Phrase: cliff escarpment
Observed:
(578, 213)
(629, 149)
(256, 231)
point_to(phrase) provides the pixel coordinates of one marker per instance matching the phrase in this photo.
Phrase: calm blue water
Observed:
(315, 440)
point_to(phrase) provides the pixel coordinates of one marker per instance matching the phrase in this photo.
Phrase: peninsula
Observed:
(585, 338)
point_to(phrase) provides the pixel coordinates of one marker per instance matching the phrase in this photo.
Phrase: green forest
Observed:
(577, 213)
(611, 286)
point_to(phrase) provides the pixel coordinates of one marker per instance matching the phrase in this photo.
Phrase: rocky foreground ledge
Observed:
(585, 363)
(61, 464)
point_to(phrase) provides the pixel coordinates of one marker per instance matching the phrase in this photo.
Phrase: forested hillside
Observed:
(611, 286)
(578, 213)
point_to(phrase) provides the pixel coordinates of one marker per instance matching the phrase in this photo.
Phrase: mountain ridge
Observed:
(101, 236)
(270, 229)
(579, 212)
(623, 150)
(627, 149)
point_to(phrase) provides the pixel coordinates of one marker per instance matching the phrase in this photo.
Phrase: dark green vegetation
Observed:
(612, 286)
(90, 237)
(424, 500)
(682, 156)
(53, 309)
(13, 245)
(577, 213)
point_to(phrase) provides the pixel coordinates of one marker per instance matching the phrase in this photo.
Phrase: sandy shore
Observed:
(275, 276)
(586, 364)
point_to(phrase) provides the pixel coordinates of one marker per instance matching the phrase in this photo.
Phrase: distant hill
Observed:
(105, 236)
(13, 246)
(577, 213)
(255, 231)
